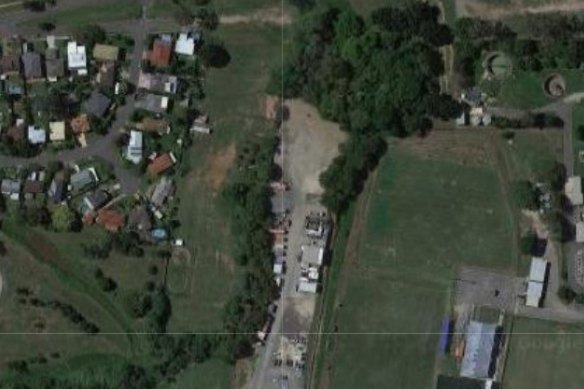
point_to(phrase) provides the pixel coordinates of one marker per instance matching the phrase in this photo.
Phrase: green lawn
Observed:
(106, 11)
(524, 90)
(425, 218)
(212, 374)
(167, 8)
(534, 152)
(543, 355)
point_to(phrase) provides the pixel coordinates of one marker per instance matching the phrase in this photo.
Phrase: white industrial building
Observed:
(185, 44)
(313, 255)
(536, 282)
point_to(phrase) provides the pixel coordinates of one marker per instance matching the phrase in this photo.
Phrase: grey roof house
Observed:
(32, 66)
(140, 218)
(152, 103)
(83, 180)
(480, 351)
(97, 104)
(163, 189)
(11, 187)
(57, 191)
(96, 199)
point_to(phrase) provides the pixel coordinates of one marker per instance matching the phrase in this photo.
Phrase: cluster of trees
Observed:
(248, 197)
(107, 284)
(375, 77)
(531, 120)
(558, 41)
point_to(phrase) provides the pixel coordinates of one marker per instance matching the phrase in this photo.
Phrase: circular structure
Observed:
(555, 85)
(498, 65)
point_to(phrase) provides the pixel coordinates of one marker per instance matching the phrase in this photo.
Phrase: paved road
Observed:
(104, 147)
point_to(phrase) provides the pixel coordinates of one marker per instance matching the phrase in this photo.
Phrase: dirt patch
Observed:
(274, 15)
(477, 8)
(270, 105)
(218, 166)
(468, 147)
(311, 143)
(242, 374)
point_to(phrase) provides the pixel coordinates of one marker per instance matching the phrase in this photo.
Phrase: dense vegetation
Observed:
(375, 77)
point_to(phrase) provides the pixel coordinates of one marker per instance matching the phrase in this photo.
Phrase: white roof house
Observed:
(185, 44)
(57, 131)
(37, 135)
(76, 58)
(313, 255)
(573, 190)
(135, 147)
(278, 268)
(534, 294)
(538, 269)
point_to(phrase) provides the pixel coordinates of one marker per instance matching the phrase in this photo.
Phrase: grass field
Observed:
(166, 8)
(524, 90)
(543, 355)
(428, 213)
(85, 14)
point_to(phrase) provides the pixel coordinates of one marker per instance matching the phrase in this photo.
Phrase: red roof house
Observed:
(161, 52)
(111, 219)
(161, 164)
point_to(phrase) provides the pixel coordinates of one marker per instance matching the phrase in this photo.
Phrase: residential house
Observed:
(37, 135)
(135, 147)
(97, 104)
(161, 52)
(161, 163)
(201, 125)
(32, 188)
(80, 124)
(55, 66)
(17, 132)
(83, 180)
(140, 219)
(103, 52)
(57, 131)
(162, 191)
(57, 191)
(187, 42)
(106, 76)
(111, 220)
(96, 200)
(76, 58)
(11, 188)
(13, 87)
(159, 83)
(9, 64)
(33, 69)
(152, 125)
(153, 103)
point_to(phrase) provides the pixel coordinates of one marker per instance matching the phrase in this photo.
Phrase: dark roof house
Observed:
(140, 218)
(96, 200)
(55, 68)
(9, 64)
(97, 104)
(57, 191)
(32, 66)
(83, 179)
(106, 77)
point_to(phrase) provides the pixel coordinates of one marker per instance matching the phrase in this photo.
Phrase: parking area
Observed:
(481, 287)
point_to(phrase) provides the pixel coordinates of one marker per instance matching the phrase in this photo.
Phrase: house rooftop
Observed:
(103, 52)
(32, 65)
(161, 52)
(479, 351)
(80, 124)
(161, 164)
(152, 103)
(185, 43)
(153, 125)
(9, 64)
(160, 83)
(106, 77)
(57, 131)
(163, 189)
(76, 58)
(111, 220)
(36, 135)
(33, 187)
(97, 104)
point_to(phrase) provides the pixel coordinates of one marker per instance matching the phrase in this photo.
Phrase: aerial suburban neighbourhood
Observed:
(291, 194)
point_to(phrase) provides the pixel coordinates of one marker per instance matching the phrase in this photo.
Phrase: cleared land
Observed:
(544, 354)
(432, 208)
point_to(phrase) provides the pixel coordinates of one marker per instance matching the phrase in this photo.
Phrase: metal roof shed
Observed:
(479, 351)
(538, 269)
(534, 294)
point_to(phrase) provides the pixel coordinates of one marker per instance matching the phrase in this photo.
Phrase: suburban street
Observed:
(103, 147)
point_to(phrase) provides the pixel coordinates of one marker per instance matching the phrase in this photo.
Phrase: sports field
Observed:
(429, 210)
(543, 355)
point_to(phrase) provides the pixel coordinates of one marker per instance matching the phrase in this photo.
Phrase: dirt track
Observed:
(273, 15)
(517, 7)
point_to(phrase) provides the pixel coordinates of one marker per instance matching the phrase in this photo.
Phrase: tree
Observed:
(34, 5)
(46, 26)
(214, 55)
(63, 218)
(528, 243)
(207, 19)
(90, 34)
(566, 294)
(581, 132)
(183, 17)
(525, 194)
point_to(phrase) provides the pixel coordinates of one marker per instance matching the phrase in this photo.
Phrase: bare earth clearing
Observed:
(468, 8)
(269, 15)
(218, 166)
